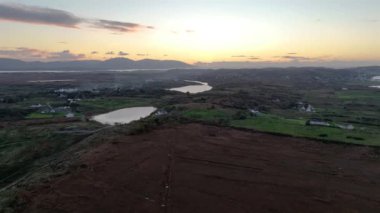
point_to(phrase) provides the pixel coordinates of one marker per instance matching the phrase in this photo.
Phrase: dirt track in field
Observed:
(197, 168)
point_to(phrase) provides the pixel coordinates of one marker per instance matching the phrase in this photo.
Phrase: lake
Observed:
(124, 116)
(193, 89)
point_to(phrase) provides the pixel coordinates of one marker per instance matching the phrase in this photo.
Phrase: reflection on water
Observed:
(193, 89)
(377, 87)
(124, 116)
(51, 81)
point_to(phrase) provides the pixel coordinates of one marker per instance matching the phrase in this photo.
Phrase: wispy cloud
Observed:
(121, 53)
(297, 58)
(254, 58)
(47, 16)
(117, 26)
(246, 57)
(94, 52)
(238, 56)
(30, 54)
(65, 55)
(110, 53)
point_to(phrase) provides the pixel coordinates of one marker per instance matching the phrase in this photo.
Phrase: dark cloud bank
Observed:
(61, 18)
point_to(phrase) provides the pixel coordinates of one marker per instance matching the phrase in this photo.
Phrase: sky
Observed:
(196, 31)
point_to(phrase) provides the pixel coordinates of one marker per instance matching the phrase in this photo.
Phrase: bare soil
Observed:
(197, 168)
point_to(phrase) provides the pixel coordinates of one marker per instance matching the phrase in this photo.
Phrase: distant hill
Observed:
(111, 64)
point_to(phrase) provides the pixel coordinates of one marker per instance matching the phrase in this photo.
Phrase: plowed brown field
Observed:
(197, 168)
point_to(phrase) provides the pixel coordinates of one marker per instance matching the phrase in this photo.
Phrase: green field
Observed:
(37, 115)
(359, 95)
(294, 127)
(365, 135)
(208, 115)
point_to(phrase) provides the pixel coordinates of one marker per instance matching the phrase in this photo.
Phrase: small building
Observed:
(66, 90)
(305, 107)
(310, 108)
(317, 122)
(73, 100)
(346, 126)
(36, 106)
(62, 109)
(159, 113)
(70, 115)
(255, 112)
(47, 109)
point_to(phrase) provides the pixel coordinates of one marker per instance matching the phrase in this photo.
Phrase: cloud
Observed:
(29, 54)
(38, 15)
(22, 52)
(110, 53)
(190, 31)
(65, 55)
(142, 54)
(297, 58)
(239, 56)
(47, 16)
(94, 52)
(121, 53)
(254, 58)
(246, 57)
(118, 26)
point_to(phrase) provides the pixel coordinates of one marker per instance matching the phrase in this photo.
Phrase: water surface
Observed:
(193, 89)
(51, 81)
(124, 116)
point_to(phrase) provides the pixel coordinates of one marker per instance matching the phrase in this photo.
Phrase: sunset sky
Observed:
(191, 31)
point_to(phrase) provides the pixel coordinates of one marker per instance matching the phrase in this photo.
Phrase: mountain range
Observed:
(7, 64)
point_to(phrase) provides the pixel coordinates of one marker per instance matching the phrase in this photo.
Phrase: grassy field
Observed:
(39, 100)
(208, 114)
(297, 127)
(37, 115)
(364, 135)
(22, 147)
(25, 149)
(359, 95)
